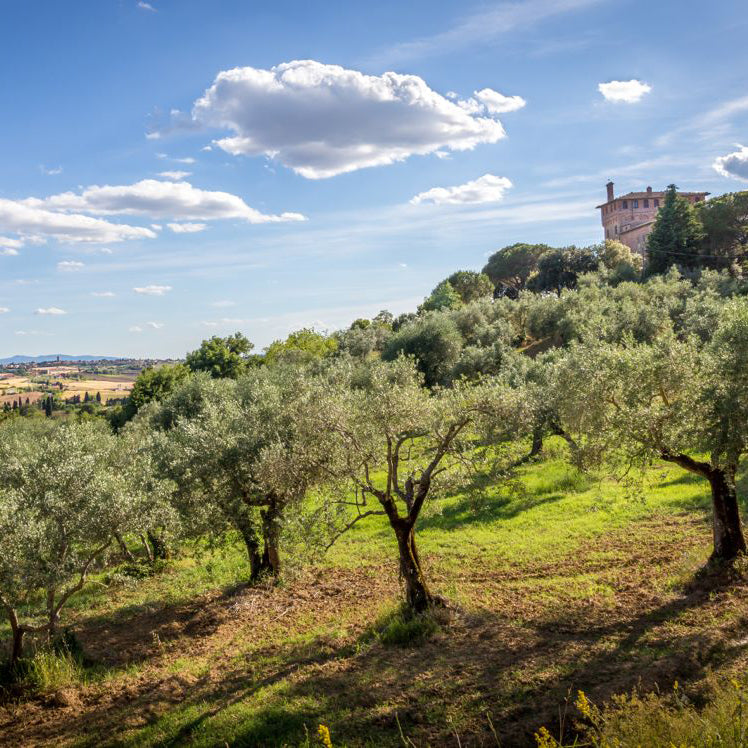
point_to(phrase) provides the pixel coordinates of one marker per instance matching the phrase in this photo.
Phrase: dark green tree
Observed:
(443, 296)
(725, 223)
(560, 268)
(510, 268)
(676, 237)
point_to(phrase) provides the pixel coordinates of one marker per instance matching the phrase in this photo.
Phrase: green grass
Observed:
(518, 566)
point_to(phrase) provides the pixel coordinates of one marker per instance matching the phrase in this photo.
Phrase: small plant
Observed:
(403, 628)
(50, 670)
(324, 736)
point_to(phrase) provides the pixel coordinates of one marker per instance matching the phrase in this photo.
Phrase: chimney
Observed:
(649, 189)
(609, 187)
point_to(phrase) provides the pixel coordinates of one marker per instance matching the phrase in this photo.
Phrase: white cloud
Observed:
(145, 6)
(8, 252)
(50, 172)
(156, 199)
(187, 228)
(102, 294)
(485, 189)
(734, 165)
(51, 310)
(31, 332)
(32, 217)
(323, 120)
(6, 241)
(4, 310)
(155, 325)
(175, 175)
(497, 103)
(135, 328)
(152, 290)
(105, 251)
(69, 266)
(628, 92)
(223, 304)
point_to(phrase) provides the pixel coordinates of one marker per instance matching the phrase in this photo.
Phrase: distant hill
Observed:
(54, 357)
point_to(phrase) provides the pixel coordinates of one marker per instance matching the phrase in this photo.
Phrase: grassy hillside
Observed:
(565, 583)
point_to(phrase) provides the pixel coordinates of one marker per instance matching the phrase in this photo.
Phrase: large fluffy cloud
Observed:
(627, 92)
(734, 165)
(159, 199)
(322, 120)
(29, 217)
(486, 189)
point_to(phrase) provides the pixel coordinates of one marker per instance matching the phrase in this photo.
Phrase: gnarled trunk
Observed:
(417, 593)
(727, 529)
(257, 564)
(271, 537)
(17, 646)
(125, 550)
(158, 545)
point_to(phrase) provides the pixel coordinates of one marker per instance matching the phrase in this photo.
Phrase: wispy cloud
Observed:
(103, 294)
(50, 171)
(479, 28)
(54, 311)
(70, 266)
(145, 6)
(152, 290)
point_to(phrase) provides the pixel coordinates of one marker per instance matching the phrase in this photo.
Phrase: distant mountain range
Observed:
(54, 357)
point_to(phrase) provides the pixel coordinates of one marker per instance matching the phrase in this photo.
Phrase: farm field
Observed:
(58, 380)
(566, 584)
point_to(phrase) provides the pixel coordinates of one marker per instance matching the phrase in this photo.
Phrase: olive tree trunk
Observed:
(727, 529)
(417, 593)
(271, 537)
(728, 532)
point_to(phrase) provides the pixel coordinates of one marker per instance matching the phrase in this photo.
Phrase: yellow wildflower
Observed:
(324, 735)
(583, 704)
(544, 739)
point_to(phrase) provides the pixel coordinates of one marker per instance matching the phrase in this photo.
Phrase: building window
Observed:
(636, 203)
(657, 202)
(616, 228)
(646, 202)
(625, 204)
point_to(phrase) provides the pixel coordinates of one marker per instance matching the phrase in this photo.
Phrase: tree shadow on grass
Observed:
(469, 511)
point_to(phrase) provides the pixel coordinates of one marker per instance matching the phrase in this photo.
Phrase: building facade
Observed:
(629, 218)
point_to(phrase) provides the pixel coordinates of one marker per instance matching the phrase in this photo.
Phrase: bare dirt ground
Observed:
(524, 636)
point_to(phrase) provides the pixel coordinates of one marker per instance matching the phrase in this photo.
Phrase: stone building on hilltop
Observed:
(629, 218)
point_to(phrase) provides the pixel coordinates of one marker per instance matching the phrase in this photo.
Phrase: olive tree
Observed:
(233, 450)
(399, 444)
(672, 400)
(67, 490)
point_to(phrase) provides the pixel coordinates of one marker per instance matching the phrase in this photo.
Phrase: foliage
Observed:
(300, 348)
(561, 268)
(511, 267)
(660, 719)
(221, 357)
(443, 296)
(433, 341)
(676, 235)
(58, 516)
(725, 223)
(470, 286)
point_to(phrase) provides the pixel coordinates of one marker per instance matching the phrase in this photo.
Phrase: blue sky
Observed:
(181, 168)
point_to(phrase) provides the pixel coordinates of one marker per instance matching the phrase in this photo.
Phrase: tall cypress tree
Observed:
(676, 236)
